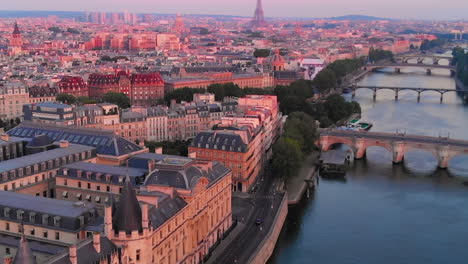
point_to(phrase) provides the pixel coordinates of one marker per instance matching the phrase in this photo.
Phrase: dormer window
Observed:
(6, 212)
(98, 176)
(19, 215)
(32, 217)
(79, 173)
(65, 172)
(45, 219)
(57, 220)
(120, 179)
(88, 175)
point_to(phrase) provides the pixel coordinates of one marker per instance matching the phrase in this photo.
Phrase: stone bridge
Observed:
(398, 65)
(422, 57)
(441, 91)
(399, 144)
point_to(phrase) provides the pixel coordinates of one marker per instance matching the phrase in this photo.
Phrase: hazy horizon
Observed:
(399, 9)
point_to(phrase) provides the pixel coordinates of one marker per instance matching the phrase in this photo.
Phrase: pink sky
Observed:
(425, 9)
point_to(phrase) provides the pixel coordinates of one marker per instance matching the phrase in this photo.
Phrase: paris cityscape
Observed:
(261, 131)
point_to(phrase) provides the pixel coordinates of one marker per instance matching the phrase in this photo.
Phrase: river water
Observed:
(385, 213)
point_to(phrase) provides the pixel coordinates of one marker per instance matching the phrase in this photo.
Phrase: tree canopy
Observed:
(119, 99)
(183, 94)
(66, 98)
(429, 44)
(300, 134)
(378, 55)
(460, 58)
(225, 90)
(261, 53)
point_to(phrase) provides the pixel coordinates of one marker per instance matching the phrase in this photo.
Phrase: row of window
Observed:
(32, 232)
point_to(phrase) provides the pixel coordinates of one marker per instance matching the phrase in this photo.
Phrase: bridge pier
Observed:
(353, 93)
(396, 94)
(375, 94)
(419, 96)
(397, 70)
(443, 157)
(441, 97)
(428, 71)
(398, 152)
(359, 149)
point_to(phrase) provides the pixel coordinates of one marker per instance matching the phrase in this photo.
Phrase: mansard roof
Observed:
(182, 173)
(40, 141)
(166, 209)
(86, 253)
(219, 140)
(105, 142)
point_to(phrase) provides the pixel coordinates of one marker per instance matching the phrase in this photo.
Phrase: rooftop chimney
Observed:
(5, 137)
(64, 144)
(158, 150)
(8, 259)
(192, 155)
(72, 254)
(97, 242)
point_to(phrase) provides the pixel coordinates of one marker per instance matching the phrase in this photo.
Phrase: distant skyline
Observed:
(402, 9)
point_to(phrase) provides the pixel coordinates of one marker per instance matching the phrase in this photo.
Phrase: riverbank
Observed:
(296, 186)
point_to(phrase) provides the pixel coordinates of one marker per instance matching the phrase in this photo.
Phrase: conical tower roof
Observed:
(24, 254)
(16, 31)
(127, 216)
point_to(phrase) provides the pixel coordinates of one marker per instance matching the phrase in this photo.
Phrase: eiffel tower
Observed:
(258, 19)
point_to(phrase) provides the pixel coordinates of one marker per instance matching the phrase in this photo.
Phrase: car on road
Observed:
(258, 221)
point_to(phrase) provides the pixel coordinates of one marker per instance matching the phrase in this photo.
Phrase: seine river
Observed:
(381, 213)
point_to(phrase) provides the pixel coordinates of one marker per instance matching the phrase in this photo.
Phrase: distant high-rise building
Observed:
(259, 18)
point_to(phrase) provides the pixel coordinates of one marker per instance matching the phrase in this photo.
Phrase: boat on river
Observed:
(359, 125)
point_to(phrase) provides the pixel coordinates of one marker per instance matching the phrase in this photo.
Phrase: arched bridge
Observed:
(441, 91)
(398, 65)
(422, 57)
(398, 144)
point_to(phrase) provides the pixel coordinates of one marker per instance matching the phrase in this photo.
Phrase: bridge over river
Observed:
(441, 91)
(398, 65)
(443, 148)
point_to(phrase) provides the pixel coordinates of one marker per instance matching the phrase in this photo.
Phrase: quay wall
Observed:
(267, 246)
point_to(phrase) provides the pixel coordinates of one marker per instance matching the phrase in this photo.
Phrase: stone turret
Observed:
(24, 254)
(128, 216)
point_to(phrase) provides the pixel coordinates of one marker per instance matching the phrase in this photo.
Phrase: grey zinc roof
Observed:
(184, 177)
(224, 140)
(42, 157)
(166, 209)
(44, 248)
(114, 170)
(105, 142)
(40, 141)
(141, 160)
(86, 253)
(43, 205)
